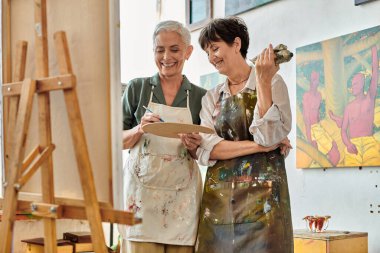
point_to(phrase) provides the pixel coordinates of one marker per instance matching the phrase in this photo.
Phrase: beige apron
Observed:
(163, 185)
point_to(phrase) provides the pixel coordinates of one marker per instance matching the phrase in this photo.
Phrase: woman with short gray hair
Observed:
(162, 183)
(172, 26)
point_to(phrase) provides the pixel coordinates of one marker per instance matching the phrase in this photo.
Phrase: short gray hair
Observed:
(172, 26)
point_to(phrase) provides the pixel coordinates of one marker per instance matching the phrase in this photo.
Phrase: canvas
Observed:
(338, 112)
(359, 2)
(234, 7)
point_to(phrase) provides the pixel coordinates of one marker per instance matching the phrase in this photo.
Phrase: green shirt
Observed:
(137, 94)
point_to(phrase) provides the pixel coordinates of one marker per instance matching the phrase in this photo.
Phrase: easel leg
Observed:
(7, 63)
(80, 147)
(47, 179)
(42, 70)
(19, 74)
(85, 171)
(18, 147)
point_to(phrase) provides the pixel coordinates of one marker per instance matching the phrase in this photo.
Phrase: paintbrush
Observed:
(149, 110)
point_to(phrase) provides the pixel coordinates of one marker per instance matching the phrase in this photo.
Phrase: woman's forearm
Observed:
(131, 137)
(232, 149)
(264, 98)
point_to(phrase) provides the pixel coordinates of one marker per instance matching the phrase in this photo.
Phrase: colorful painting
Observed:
(209, 81)
(338, 102)
(234, 7)
(358, 2)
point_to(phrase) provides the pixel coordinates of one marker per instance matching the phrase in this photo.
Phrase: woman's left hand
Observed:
(265, 66)
(191, 141)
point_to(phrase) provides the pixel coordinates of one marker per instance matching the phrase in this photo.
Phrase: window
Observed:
(198, 13)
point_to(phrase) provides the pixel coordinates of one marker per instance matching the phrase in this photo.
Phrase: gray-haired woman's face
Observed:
(170, 53)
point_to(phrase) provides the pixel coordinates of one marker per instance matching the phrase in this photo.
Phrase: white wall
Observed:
(345, 194)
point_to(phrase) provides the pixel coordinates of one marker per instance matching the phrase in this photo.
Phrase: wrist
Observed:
(255, 147)
(139, 129)
(263, 82)
(193, 153)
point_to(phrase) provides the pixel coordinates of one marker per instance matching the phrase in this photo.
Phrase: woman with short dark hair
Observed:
(245, 205)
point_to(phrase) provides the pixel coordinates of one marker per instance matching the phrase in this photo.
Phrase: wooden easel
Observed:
(20, 170)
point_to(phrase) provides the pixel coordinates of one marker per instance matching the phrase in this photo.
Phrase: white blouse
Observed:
(272, 128)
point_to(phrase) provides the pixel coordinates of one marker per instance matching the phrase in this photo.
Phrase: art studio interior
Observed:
(190, 126)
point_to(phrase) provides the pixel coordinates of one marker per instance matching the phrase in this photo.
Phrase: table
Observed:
(330, 242)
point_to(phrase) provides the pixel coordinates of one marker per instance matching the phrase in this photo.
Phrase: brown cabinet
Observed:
(330, 242)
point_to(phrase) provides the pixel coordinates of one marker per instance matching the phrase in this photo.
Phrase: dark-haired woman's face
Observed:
(222, 56)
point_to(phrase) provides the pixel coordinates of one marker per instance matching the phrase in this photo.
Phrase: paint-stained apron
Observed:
(245, 205)
(163, 185)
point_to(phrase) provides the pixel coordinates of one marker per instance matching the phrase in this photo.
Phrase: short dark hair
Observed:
(225, 29)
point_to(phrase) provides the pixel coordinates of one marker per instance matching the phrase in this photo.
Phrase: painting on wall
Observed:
(234, 7)
(359, 2)
(210, 80)
(338, 102)
(198, 13)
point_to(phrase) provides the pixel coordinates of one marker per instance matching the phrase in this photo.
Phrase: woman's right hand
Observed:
(132, 136)
(148, 118)
(268, 149)
(284, 145)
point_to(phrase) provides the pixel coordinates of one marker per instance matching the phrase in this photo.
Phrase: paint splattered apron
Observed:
(245, 205)
(163, 185)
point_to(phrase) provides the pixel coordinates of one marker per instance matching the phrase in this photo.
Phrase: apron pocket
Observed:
(237, 202)
(163, 171)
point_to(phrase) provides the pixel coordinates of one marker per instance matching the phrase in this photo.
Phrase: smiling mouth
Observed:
(168, 65)
(218, 64)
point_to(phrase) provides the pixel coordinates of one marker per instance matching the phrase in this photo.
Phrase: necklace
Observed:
(238, 82)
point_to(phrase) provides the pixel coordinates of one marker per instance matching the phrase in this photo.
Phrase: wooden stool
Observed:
(36, 245)
(330, 242)
(83, 247)
(81, 240)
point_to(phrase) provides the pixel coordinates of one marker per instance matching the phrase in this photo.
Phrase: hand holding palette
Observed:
(172, 130)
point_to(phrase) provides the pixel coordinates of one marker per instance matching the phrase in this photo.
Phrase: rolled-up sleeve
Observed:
(276, 123)
(208, 140)
(128, 107)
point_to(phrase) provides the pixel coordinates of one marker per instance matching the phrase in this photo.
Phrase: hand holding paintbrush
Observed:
(149, 110)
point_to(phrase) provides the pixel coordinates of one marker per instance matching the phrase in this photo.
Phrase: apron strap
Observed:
(187, 95)
(151, 93)
(188, 99)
